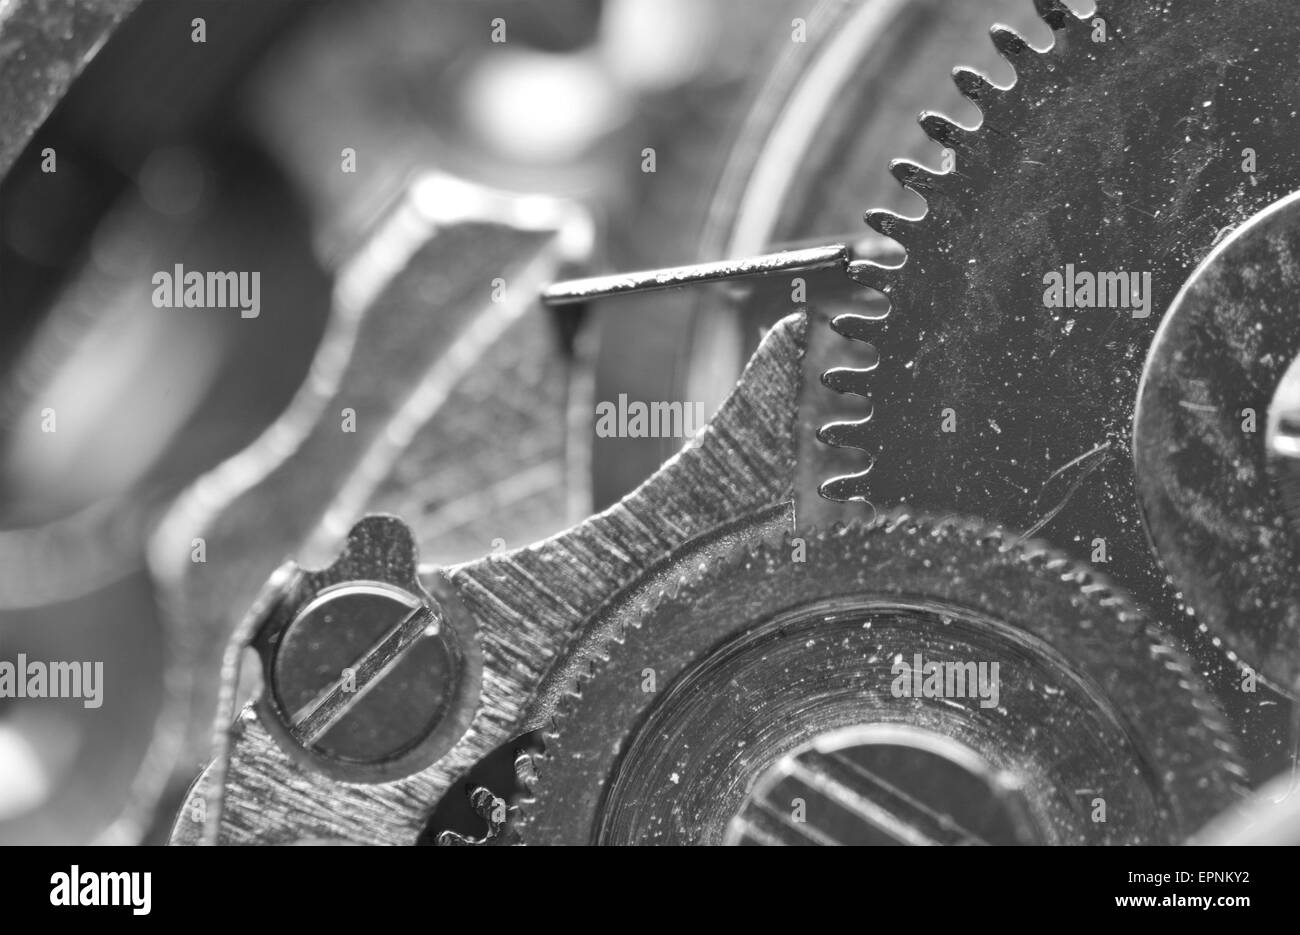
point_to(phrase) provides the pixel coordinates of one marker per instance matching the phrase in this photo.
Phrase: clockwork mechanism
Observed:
(561, 461)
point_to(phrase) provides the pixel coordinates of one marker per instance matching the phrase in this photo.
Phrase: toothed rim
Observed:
(1049, 79)
(977, 88)
(1035, 556)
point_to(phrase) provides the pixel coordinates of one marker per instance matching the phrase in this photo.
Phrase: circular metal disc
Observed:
(750, 660)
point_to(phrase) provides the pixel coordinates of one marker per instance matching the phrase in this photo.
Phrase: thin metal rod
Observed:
(831, 256)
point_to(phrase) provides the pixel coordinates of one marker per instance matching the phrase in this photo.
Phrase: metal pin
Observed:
(831, 256)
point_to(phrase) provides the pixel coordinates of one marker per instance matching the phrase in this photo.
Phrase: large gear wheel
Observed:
(1131, 147)
(666, 740)
(508, 433)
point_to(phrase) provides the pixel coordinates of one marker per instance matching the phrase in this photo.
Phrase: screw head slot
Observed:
(368, 676)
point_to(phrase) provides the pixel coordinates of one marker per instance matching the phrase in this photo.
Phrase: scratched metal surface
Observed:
(1125, 714)
(1111, 160)
(813, 154)
(404, 362)
(528, 605)
(1206, 483)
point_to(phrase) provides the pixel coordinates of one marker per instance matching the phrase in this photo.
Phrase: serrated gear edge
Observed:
(1037, 554)
(927, 185)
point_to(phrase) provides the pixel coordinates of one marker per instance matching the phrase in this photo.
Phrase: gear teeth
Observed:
(851, 381)
(891, 225)
(1010, 44)
(532, 772)
(858, 328)
(856, 380)
(930, 186)
(873, 276)
(848, 435)
(849, 488)
(1026, 62)
(851, 434)
(1055, 14)
(973, 86)
(927, 184)
(1092, 586)
(942, 130)
(855, 329)
(915, 177)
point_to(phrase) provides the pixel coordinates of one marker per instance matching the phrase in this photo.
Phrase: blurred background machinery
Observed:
(543, 139)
